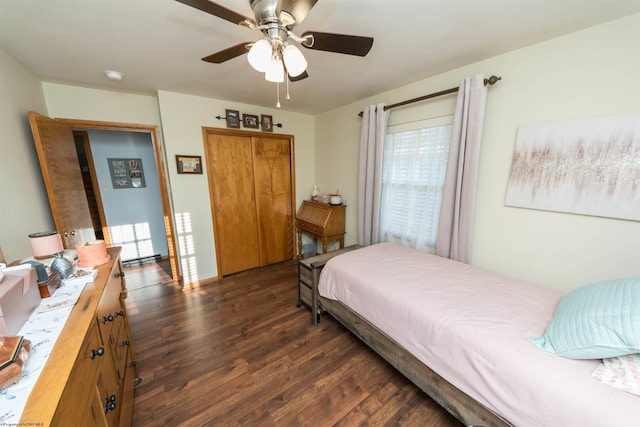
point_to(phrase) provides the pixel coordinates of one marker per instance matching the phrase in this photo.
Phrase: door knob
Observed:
(98, 352)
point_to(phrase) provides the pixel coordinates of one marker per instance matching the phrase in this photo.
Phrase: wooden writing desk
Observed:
(323, 221)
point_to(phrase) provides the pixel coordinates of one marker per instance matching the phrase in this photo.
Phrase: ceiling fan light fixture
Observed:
(259, 56)
(272, 55)
(294, 60)
(275, 71)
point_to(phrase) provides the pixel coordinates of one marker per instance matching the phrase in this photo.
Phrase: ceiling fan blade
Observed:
(302, 76)
(296, 8)
(227, 54)
(217, 10)
(339, 43)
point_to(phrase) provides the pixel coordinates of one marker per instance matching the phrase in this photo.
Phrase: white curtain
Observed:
(374, 129)
(455, 226)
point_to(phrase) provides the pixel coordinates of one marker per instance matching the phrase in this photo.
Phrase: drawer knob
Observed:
(98, 352)
(125, 343)
(108, 318)
(110, 403)
(120, 313)
(118, 275)
(133, 364)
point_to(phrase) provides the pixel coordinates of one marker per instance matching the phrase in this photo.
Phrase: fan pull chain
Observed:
(278, 93)
(287, 80)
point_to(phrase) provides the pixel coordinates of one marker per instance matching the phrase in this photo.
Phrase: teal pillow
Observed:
(597, 321)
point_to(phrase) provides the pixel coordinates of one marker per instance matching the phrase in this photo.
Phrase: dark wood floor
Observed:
(240, 353)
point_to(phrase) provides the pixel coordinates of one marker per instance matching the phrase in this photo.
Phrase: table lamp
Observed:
(49, 243)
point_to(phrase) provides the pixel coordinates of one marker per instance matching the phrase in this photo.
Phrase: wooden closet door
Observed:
(272, 176)
(231, 186)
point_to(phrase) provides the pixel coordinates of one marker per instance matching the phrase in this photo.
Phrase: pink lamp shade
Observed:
(45, 244)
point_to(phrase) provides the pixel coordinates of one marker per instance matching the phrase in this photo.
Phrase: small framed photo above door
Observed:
(267, 123)
(233, 118)
(250, 121)
(189, 164)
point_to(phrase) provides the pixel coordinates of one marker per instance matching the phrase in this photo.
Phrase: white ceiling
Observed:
(157, 44)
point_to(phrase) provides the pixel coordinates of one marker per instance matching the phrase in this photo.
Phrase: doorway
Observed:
(121, 183)
(59, 162)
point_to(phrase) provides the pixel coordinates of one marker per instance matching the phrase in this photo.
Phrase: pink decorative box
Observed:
(19, 297)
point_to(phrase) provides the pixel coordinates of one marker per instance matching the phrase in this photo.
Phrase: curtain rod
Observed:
(490, 81)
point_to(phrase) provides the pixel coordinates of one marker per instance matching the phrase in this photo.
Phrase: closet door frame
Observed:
(206, 132)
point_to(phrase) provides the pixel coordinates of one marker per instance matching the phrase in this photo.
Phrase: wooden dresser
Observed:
(323, 221)
(90, 374)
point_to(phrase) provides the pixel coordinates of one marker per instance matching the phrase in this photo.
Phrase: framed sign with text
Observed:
(126, 173)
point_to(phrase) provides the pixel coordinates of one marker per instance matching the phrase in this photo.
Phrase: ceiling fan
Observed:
(275, 54)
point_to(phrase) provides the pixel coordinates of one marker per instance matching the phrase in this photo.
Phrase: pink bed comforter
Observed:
(470, 326)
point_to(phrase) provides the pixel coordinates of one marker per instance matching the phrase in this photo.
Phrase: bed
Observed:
(460, 334)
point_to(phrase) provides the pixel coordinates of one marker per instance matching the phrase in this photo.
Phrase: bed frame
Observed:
(459, 404)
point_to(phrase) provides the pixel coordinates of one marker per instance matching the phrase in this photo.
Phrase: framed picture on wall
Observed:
(250, 121)
(189, 164)
(267, 123)
(126, 173)
(233, 118)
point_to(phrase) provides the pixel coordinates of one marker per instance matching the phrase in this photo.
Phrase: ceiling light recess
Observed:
(113, 75)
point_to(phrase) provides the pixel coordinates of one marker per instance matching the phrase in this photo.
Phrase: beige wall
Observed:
(74, 102)
(590, 73)
(24, 207)
(183, 117)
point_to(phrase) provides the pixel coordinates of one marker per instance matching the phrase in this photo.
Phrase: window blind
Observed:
(414, 167)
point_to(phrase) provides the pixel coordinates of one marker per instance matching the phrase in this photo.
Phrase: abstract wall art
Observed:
(586, 166)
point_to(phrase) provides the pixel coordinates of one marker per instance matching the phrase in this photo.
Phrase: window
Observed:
(413, 172)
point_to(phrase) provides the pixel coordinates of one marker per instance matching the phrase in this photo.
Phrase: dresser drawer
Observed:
(310, 227)
(121, 351)
(83, 378)
(109, 308)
